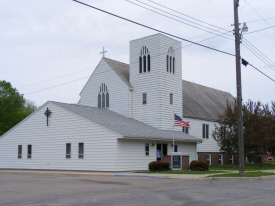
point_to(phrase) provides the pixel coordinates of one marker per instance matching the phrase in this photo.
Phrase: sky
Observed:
(48, 49)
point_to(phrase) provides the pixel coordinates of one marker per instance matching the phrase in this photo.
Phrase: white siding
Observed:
(49, 143)
(131, 153)
(208, 145)
(158, 83)
(118, 90)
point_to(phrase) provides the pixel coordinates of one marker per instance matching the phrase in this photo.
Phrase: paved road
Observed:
(79, 190)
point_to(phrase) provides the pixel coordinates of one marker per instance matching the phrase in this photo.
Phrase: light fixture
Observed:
(245, 27)
(153, 144)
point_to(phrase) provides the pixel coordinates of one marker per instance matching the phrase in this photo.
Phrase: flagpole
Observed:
(173, 131)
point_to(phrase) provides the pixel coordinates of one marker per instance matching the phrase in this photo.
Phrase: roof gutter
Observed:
(162, 139)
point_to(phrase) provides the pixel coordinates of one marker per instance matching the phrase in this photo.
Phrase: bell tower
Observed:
(156, 77)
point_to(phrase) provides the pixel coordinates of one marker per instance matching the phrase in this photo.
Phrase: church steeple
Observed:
(155, 74)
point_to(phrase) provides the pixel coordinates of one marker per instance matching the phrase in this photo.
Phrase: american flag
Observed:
(179, 122)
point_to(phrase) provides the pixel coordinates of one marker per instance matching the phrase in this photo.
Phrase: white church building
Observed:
(125, 114)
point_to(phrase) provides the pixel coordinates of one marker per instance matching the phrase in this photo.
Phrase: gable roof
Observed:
(121, 69)
(203, 102)
(129, 128)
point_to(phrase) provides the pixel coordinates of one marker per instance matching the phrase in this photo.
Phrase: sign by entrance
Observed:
(158, 154)
(176, 160)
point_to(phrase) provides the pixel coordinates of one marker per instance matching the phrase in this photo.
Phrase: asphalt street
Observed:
(79, 190)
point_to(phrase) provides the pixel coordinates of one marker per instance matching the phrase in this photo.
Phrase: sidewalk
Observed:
(91, 173)
(133, 174)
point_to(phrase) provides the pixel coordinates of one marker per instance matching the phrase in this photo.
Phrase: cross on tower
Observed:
(103, 52)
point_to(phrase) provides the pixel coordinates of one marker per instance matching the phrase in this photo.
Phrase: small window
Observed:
(176, 148)
(144, 98)
(68, 151)
(146, 149)
(171, 98)
(231, 161)
(80, 150)
(220, 159)
(205, 131)
(208, 159)
(29, 151)
(19, 151)
(269, 159)
(185, 129)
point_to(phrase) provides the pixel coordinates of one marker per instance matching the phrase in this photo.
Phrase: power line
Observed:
(262, 72)
(177, 17)
(260, 20)
(157, 55)
(56, 85)
(53, 79)
(260, 30)
(261, 54)
(154, 29)
(253, 52)
(186, 15)
(260, 15)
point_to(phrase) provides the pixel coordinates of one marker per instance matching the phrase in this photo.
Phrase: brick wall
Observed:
(269, 156)
(185, 161)
(215, 158)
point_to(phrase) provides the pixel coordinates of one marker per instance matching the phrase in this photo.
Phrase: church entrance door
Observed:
(163, 150)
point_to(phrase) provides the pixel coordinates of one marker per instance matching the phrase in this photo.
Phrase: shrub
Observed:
(199, 165)
(158, 165)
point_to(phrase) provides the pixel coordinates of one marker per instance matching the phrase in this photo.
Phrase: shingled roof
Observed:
(129, 128)
(121, 69)
(198, 101)
(203, 102)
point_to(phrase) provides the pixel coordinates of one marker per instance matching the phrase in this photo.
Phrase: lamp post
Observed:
(239, 87)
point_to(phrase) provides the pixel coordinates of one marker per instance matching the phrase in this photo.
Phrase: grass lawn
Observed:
(248, 167)
(246, 174)
(185, 172)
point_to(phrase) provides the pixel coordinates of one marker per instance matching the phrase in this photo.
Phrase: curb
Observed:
(244, 178)
(140, 176)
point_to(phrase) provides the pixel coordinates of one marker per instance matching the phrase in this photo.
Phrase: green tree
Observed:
(13, 107)
(258, 129)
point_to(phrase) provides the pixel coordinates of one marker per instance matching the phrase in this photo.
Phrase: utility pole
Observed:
(239, 90)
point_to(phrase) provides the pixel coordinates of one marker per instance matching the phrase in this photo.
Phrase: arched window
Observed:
(140, 65)
(173, 64)
(170, 60)
(144, 60)
(170, 64)
(107, 99)
(103, 100)
(99, 100)
(103, 97)
(144, 63)
(167, 63)
(148, 58)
